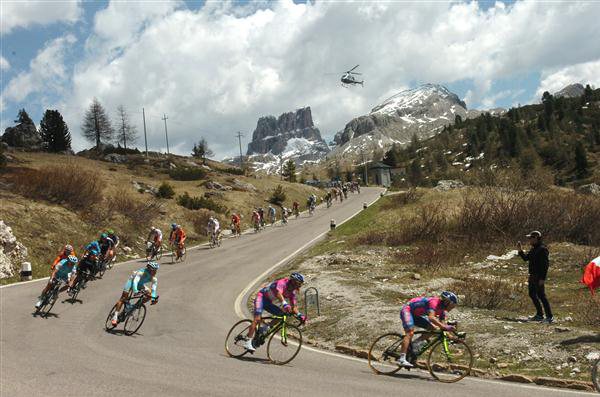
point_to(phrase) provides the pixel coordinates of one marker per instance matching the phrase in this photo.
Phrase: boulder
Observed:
(23, 135)
(214, 194)
(446, 185)
(591, 188)
(12, 252)
(127, 250)
(243, 186)
(144, 188)
(517, 378)
(115, 158)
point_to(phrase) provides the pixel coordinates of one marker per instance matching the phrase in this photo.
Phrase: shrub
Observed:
(234, 170)
(165, 190)
(491, 294)
(200, 220)
(136, 211)
(278, 196)
(73, 186)
(187, 174)
(196, 203)
(589, 311)
(403, 198)
(120, 150)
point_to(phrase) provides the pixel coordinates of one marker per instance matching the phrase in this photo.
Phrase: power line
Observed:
(166, 132)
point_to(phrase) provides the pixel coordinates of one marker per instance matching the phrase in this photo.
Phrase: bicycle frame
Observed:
(280, 325)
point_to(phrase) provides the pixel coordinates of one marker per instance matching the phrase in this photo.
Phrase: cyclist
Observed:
(328, 199)
(296, 208)
(177, 236)
(106, 245)
(214, 229)
(285, 212)
(66, 252)
(272, 214)
(424, 312)
(285, 292)
(256, 219)
(155, 236)
(63, 269)
(261, 212)
(136, 281)
(236, 224)
(115, 239)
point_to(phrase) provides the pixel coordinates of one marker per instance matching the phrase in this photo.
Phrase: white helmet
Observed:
(152, 228)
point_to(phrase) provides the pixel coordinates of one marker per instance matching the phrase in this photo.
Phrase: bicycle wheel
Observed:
(173, 254)
(236, 337)
(450, 360)
(108, 324)
(596, 375)
(150, 254)
(383, 354)
(158, 254)
(134, 320)
(282, 349)
(51, 299)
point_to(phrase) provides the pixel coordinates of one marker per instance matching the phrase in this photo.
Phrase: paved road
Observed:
(179, 351)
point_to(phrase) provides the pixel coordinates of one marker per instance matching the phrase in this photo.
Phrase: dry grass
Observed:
(491, 294)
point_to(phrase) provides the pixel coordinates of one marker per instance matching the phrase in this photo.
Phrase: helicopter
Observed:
(349, 79)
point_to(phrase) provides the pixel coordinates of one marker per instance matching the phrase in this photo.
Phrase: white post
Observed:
(26, 271)
(332, 224)
(364, 206)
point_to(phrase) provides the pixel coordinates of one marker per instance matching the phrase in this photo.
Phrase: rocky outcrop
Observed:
(12, 252)
(446, 185)
(591, 188)
(571, 91)
(24, 136)
(242, 186)
(272, 135)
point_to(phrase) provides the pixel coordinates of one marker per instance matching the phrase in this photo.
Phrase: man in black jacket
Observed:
(538, 269)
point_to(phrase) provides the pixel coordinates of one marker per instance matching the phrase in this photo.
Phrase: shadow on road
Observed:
(513, 319)
(581, 339)
(34, 314)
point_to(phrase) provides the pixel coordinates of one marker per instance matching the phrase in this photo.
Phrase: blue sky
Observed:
(216, 67)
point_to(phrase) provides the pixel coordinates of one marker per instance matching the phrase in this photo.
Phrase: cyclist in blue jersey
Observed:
(63, 269)
(135, 283)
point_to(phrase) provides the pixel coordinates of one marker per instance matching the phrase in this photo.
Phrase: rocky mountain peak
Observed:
(571, 91)
(408, 101)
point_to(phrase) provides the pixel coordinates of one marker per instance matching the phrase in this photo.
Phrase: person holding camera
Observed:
(538, 270)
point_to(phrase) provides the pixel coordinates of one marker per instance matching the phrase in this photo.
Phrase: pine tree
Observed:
(391, 157)
(201, 150)
(416, 174)
(581, 163)
(23, 118)
(126, 132)
(54, 131)
(289, 171)
(96, 124)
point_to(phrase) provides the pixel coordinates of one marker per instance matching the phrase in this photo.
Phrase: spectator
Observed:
(538, 270)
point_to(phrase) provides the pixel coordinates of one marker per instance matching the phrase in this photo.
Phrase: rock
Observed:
(144, 188)
(493, 360)
(562, 329)
(127, 250)
(243, 186)
(12, 252)
(477, 372)
(23, 135)
(190, 163)
(568, 319)
(502, 365)
(115, 158)
(591, 188)
(593, 356)
(576, 370)
(446, 185)
(206, 167)
(351, 351)
(517, 378)
(572, 359)
(416, 276)
(209, 185)
(172, 166)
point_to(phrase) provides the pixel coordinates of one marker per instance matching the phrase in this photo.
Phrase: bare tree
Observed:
(126, 132)
(96, 124)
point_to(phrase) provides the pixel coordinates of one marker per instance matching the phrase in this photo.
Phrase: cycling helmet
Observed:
(173, 226)
(110, 231)
(449, 297)
(73, 258)
(297, 277)
(153, 265)
(104, 236)
(94, 252)
(152, 228)
(68, 248)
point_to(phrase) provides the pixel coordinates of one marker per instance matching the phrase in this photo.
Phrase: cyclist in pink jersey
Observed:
(283, 291)
(427, 312)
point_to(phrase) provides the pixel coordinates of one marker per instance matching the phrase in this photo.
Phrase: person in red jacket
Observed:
(591, 274)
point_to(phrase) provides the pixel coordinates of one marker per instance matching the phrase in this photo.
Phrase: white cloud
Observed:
(24, 14)
(47, 72)
(4, 64)
(554, 80)
(216, 70)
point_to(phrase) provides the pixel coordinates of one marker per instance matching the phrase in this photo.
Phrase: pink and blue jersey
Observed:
(415, 312)
(267, 295)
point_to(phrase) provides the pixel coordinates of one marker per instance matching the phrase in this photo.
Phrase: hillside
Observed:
(94, 195)
(557, 141)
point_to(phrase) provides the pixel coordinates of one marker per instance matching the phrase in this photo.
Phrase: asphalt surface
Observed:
(179, 350)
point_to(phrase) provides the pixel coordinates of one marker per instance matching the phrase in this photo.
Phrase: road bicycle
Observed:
(153, 252)
(175, 250)
(82, 279)
(132, 317)
(449, 359)
(49, 298)
(215, 240)
(596, 374)
(284, 338)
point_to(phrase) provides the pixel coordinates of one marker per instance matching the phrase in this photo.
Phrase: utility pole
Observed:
(166, 133)
(240, 135)
(145, 137)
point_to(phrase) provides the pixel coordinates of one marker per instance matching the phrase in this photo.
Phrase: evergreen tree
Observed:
(440, 159)
(416, 174)
(23, 118)
(96, 124)
(289, 171)
(126, 132)
(548, 101)
(581, 163)
(457, 121)
(201, 150)
(54, 131)
(391, 157)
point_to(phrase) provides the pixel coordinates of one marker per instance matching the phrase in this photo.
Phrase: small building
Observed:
(380, 174)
